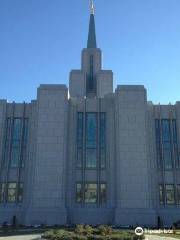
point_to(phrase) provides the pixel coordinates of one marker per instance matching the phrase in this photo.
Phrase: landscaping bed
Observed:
(86, 232)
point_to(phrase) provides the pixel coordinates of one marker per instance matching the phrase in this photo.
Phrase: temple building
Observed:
(89, 154)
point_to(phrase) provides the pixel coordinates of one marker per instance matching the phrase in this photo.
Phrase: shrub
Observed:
(87, 232)
(109, 230)
(80, 237)
(138, 237)
(48, 235)
(88, 229)
(105, 230)
(79, 229)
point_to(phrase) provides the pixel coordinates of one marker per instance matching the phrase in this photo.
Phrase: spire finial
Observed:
(92, 9)
(92, 31)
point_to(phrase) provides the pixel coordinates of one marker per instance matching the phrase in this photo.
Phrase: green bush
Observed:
(139, 237)
(79, 229)
(80, 237)
(88, 230)
(49, 234)
(105, 230)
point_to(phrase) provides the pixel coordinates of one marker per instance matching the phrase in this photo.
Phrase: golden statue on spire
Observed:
(92, 9)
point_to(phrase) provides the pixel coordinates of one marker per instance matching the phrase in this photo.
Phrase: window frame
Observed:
(2, 192)
(85, 189)
(166, 192)
(15, 193)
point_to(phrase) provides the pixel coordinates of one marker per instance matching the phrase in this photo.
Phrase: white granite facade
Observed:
(50, 173)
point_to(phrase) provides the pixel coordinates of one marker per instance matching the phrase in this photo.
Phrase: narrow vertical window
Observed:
(166, 130)
(7, 142)
(103, 140)
(2, 192)
(91, 158)
(91, 140)
(167, 158)
(91, 83)
(103, 193)
(80, 129)
(167, 146)
(24, 141)
(174, 128)
(78, 192)
(20, 192)
(158, 143)
(79, 139)
(25, 133)
(16, 141)
(15, 156)
(91, 78)
(90, 193)
(16, 136)
(161, 195)
(91, 129)
(11, 192)
(170, 194)
(176, 153)
(17, 127)
(178, 194)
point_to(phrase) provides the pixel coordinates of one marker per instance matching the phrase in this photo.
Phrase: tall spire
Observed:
(92, 30)
(92, 7)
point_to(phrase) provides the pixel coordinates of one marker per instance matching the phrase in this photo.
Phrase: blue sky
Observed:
(41, 41)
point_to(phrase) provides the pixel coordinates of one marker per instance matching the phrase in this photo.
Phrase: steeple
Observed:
(92, 30)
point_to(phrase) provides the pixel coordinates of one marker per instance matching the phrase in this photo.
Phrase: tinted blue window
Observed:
(80, 129)
(8, 128)
(174, 131)
(176, 156)
(167, 155)
(16, 133)
(79, 157)
(166, 136)
(91, 158)
(79, 139)
(157, 128)
(167, 145)
(102, 130)
(103, 157)
(103, 139)
(158, 142)
(169, 141)
(25, 134)
(7, 142)
(17, 129)
(91, 130)
(15, 157)
(91, 136)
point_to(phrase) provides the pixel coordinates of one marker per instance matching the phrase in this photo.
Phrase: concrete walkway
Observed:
(25, 237)
(153, 237)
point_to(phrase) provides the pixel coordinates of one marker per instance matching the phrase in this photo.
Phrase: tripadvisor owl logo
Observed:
(139, 231)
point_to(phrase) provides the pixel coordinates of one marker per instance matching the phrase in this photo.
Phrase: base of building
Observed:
(135, 217)
(169, 216)
(7, 214)
(92, 216)
(47, 216)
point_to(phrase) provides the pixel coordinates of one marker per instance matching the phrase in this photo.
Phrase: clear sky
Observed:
(41, 41)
